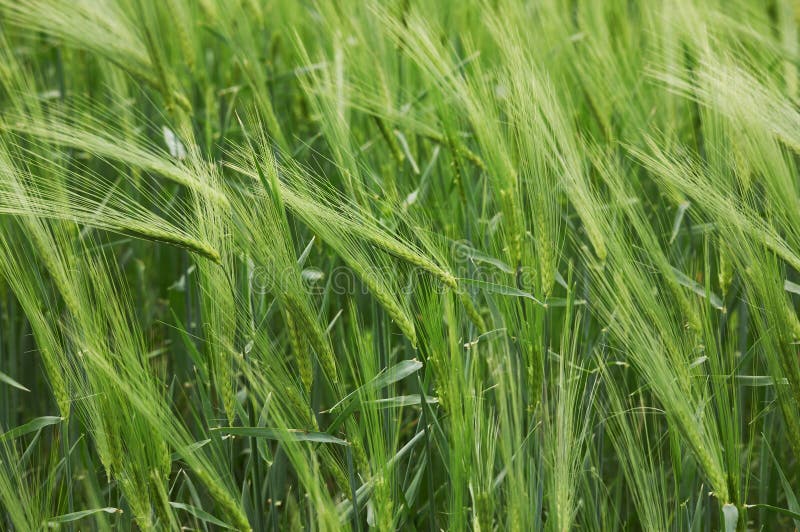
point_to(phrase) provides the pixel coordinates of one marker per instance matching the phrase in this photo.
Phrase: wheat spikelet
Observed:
(300, 407)
(225, 384)
(187, 51)
(301, 356)
(535, 377)
(725, 273)
(397, 152)
(360, 455)
(473, 314)
(547, 259)
(58, 384)
(482, 512)
(388, 302)
(304, 321)
(332, 468)
(231, 508)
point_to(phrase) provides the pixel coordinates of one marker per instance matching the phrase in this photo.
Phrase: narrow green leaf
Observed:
(782, 511)
(190, 449)
(11, 382)
(676, 225)
(476, 256)
(789, 286)
(758, 380)
(31, 426)
(503, 290)
(301, 260)
(74, 516)
(200, 514)
(697, 288)
(282, 435)
(788, 491)
(402, 400)
(393, 374)
(345, 508)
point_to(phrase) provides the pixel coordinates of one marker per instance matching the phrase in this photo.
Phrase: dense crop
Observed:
(406, 265)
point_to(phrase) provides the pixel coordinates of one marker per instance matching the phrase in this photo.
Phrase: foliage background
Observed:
(487, 264)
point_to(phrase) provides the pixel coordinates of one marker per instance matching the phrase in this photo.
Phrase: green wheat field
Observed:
(418, 265)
